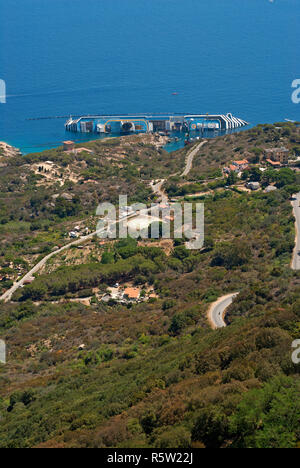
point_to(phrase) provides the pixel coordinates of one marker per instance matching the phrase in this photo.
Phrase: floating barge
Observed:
(149, 123)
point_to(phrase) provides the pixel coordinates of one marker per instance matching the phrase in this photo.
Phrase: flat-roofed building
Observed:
(270, 188)
(132, 294)
(278, 155)
(69, 145)
(253, 185)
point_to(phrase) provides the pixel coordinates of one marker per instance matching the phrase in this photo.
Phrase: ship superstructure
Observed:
(149, 123)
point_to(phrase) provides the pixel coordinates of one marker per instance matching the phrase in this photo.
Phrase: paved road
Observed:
(217, 310)
(8, 294)
(190, 158)
(157, 189)
(296, 257)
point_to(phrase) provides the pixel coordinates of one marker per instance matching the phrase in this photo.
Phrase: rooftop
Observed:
(275, 150)
(273, 163)
(242, 162)
(270, 188)
(132, 293)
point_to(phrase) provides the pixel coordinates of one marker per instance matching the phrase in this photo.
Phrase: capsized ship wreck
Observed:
(146, 123)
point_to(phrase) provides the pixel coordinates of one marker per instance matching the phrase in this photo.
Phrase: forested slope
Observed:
(154, 374)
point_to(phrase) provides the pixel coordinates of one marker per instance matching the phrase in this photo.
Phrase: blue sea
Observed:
(63, 57)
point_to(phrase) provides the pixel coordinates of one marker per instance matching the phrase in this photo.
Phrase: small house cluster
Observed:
(78, 232)
(277, 157)
(9, 271)
(274, 157)
(128, 294)
(237, 166)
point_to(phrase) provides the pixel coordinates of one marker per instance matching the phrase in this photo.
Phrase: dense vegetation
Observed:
(39, 203)
(154, 374)
(249, 144)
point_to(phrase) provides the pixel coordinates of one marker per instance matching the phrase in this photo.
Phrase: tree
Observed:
(268, 417)
(246, 175)
(172, 437)
(255, 174)
(209, 242)
(231, 255)
(285, 177)
(291, 189)
(232, 178)
(211, 427)
(181, 252)
(107, 258)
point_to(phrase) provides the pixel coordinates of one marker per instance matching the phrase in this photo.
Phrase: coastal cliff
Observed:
(7, 151)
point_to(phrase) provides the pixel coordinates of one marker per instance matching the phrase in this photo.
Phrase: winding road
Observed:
(8, 294)
(217, 310)
(295, 265)
(157, 188)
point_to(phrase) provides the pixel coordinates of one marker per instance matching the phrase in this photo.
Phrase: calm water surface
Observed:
(62, 57)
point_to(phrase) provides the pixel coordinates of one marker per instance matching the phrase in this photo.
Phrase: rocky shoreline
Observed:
(7, 150)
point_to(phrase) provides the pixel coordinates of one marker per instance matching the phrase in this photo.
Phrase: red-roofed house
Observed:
(132, 294)
(241, 165)
(274, 163)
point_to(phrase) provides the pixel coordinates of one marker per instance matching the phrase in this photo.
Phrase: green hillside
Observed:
(154, 373)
